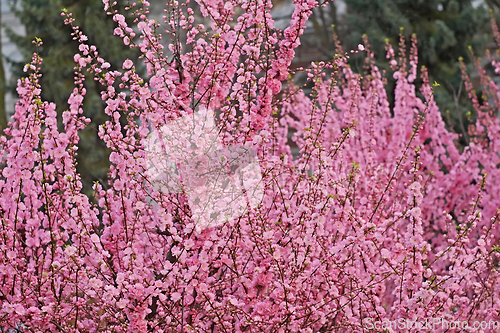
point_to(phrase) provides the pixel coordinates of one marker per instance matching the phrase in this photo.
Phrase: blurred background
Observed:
(446, 30)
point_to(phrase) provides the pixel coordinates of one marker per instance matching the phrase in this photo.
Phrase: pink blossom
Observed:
(127, 64)
(176, 296)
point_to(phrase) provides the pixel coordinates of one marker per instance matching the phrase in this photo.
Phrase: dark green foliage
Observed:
(42, 18)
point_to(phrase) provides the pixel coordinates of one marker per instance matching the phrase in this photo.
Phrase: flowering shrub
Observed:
(381, 217)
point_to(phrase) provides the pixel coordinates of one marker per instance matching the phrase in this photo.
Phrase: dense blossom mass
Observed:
(380, 218)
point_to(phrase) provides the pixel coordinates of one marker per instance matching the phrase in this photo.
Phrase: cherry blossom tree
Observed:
(380, 219)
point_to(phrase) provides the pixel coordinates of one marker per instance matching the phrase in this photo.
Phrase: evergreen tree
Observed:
(42, 18)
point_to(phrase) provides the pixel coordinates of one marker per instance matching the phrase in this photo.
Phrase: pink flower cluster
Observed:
(380, 217)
